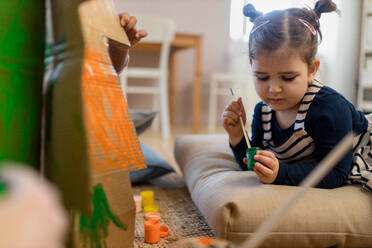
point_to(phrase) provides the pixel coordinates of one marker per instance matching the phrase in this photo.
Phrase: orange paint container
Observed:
(152, 216)
(152, 231)
(164, 231)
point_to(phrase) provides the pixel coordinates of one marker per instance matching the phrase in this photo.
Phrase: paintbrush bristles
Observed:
(242, 124)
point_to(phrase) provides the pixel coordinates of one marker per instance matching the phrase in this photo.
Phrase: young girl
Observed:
(299, 120)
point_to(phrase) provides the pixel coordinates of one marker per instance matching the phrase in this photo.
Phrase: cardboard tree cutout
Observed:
(21, 73)
(92, 142)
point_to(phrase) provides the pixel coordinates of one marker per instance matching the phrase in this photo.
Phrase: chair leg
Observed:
(156, 106)
(212, 105)
(164, 107)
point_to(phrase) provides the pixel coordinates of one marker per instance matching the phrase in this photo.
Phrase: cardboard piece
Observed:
(92, 142)
(21, 72)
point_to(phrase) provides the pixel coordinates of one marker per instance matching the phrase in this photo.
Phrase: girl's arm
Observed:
(257, 134)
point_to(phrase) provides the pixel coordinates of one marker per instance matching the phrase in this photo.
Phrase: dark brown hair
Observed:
(283, 28)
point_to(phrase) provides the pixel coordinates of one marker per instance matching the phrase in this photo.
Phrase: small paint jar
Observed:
(147, 198)
(152, 231)
(151, 209)
(152, 216)
(138, 202)
(164, 231)
(249, 153)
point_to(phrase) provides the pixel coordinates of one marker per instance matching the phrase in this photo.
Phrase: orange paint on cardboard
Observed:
(112, 141)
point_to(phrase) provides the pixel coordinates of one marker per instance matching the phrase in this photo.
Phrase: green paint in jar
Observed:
(249, 153)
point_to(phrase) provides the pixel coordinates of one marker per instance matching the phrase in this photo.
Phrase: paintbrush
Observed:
(242, 124)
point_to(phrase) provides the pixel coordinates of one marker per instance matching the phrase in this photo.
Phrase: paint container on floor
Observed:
(203, 242)
(152, 231)
(164, 231)
(152, 216)
(151, 209)
(147, 198)
(250, 152)
(138, 202)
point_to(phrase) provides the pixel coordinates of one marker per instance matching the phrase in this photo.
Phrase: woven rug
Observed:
(177, 211)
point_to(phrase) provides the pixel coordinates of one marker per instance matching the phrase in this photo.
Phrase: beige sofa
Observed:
(235, 203)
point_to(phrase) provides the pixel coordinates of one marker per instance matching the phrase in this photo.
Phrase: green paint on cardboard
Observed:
(21, 76)
(95, 228)
(2, 188)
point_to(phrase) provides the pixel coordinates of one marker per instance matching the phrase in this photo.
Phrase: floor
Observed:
(176, 208)
(153, 139)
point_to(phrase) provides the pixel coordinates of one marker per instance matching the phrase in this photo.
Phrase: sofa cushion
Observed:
(235, 203)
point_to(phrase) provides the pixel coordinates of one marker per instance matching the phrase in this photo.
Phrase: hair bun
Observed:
(250, 11)
(324, 6)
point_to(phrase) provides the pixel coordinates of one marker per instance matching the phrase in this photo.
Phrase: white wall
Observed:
(343, 67)
(210, 18)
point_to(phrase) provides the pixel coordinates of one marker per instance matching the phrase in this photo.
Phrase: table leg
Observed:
(197, 87)
(172, 87)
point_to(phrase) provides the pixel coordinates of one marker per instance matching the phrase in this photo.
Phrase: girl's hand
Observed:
(129, 24)
(231, 122)
(266, 167)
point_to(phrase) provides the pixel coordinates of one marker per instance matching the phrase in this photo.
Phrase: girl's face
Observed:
(281, 79)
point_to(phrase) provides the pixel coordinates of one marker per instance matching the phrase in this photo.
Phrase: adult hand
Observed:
(230, 120)
(266, 167)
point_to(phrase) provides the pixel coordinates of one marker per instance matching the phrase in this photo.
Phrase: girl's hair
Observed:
(292, 28)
